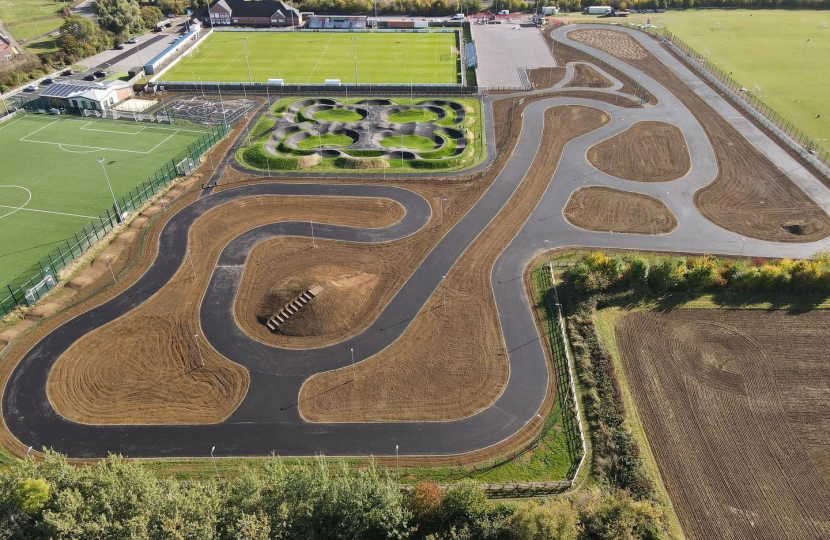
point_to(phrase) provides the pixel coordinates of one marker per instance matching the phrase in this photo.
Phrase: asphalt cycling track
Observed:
(268, 419)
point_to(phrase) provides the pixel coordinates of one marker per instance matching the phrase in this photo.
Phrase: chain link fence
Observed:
(41, 277)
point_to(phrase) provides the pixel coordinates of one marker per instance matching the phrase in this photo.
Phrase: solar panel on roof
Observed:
(66, 89)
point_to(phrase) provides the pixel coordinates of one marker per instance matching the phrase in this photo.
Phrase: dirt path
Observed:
(734, 404)
(451, 361)
(750, 195)
(606, 209)
(645, 152)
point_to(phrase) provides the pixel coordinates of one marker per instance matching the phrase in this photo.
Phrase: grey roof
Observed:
(241, 8)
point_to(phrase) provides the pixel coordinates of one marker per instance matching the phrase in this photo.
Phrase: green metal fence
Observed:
(42, 276)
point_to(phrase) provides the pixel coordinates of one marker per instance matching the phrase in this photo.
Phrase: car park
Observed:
(132, 41)
(48, 80)
(31, 88)
(100, 73)
(68, 72)
(89, 77)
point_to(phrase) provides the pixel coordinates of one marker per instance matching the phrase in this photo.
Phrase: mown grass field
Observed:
(311, 58)
(32, 18)
(784, 52)
(52, 184)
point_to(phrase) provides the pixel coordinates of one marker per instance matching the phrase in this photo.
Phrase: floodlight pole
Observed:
(397, 464)
(224, 118)
(410, 88)
(199, 348)
(111, 271)
(247, 62)
(118, 210)
(313, 244)
(354, 53)
(444, 291)
(441, 201)
(215, 468)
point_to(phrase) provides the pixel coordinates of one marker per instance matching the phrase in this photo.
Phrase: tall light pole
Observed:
(354, 53)
(118, 210)
(215, 468)
(224, 117)
(247, 62)
(441, 201)
(354, 374)
(397, 464)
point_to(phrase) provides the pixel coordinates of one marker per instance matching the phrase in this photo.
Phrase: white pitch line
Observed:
(48, 212)
(84, 128)
(12, 122)
(90, 147)
(319, 59)
(23, 138)
(162, 142)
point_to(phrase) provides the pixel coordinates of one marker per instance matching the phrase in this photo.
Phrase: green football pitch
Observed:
(311, 58)
(51, 183)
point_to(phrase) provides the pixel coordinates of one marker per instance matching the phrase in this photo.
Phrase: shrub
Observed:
(702, 274)
(637, 271)
(554, 520)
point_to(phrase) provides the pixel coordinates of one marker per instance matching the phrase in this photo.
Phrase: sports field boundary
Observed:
(42, 276)
(311, 90)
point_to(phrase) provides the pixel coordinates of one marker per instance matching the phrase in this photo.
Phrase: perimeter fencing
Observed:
(779, 126)
(383, 90)
(42, 276)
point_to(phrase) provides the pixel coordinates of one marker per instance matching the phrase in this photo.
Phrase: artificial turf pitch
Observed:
(311, 58)
(52, 185)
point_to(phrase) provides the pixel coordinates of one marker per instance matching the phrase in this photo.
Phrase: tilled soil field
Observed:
(144, 367)
(750, 195)
(605, 209)
(587, 77)
(451, 361)
(645, 152)
(736, 407)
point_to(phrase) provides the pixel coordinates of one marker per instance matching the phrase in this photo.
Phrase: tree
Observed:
(119, 16)
(637, 272)
(81, 37)
(175, 7)
(553, 520)
(425, 503)
(150, 15)
(32, 494)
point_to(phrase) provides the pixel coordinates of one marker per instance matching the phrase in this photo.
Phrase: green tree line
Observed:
(116, 499)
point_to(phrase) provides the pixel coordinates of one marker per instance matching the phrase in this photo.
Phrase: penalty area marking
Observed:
(85, 128)
(16, 208)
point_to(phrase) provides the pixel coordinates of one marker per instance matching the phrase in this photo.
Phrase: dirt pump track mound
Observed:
(606, 209)
(734, 404)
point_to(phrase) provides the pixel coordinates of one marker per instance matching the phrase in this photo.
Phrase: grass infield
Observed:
(413, 115)
(52, 185)
(327, 139)
(311, 58)
(412, 142)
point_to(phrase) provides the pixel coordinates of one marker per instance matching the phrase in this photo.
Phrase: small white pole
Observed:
(199, 348)
(28, 451)
(111, 272)
(354, 373)
(313, 244)
(215, 468)
(444, 290)
(192, 269)
(397, 464)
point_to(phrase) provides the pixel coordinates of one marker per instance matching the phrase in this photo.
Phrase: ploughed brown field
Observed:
(750, 196)
(736, 407)
(645, 152)
(605, 209)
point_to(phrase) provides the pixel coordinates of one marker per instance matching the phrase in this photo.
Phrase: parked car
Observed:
(89, 77)
(68, 72)
(48, 80)
(132, 41)
(54, 111)
(100, 73)
(31, 88)
(119, 47)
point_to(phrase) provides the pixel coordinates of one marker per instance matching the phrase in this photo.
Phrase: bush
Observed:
(637, 271)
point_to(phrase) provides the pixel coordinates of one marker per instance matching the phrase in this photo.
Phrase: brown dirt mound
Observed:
(541, 78)
(356, 280)
(750, 195)
(587, 77)
(605, 209)
(737, 418)
(450, 362)
(611, 42)
(144, 368)
(645, 152)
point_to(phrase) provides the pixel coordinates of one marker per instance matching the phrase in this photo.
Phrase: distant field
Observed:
(31, 18)
(51, 184)
(310, 58)
(783, 52)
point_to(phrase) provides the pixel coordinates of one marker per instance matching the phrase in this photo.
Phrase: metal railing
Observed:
(41, 277)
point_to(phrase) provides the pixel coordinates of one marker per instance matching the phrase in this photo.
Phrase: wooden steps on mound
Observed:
(292, 307)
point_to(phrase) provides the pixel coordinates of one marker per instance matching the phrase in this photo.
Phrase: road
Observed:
(268, 419)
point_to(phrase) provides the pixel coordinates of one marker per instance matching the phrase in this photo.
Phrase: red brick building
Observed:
(242, 13)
